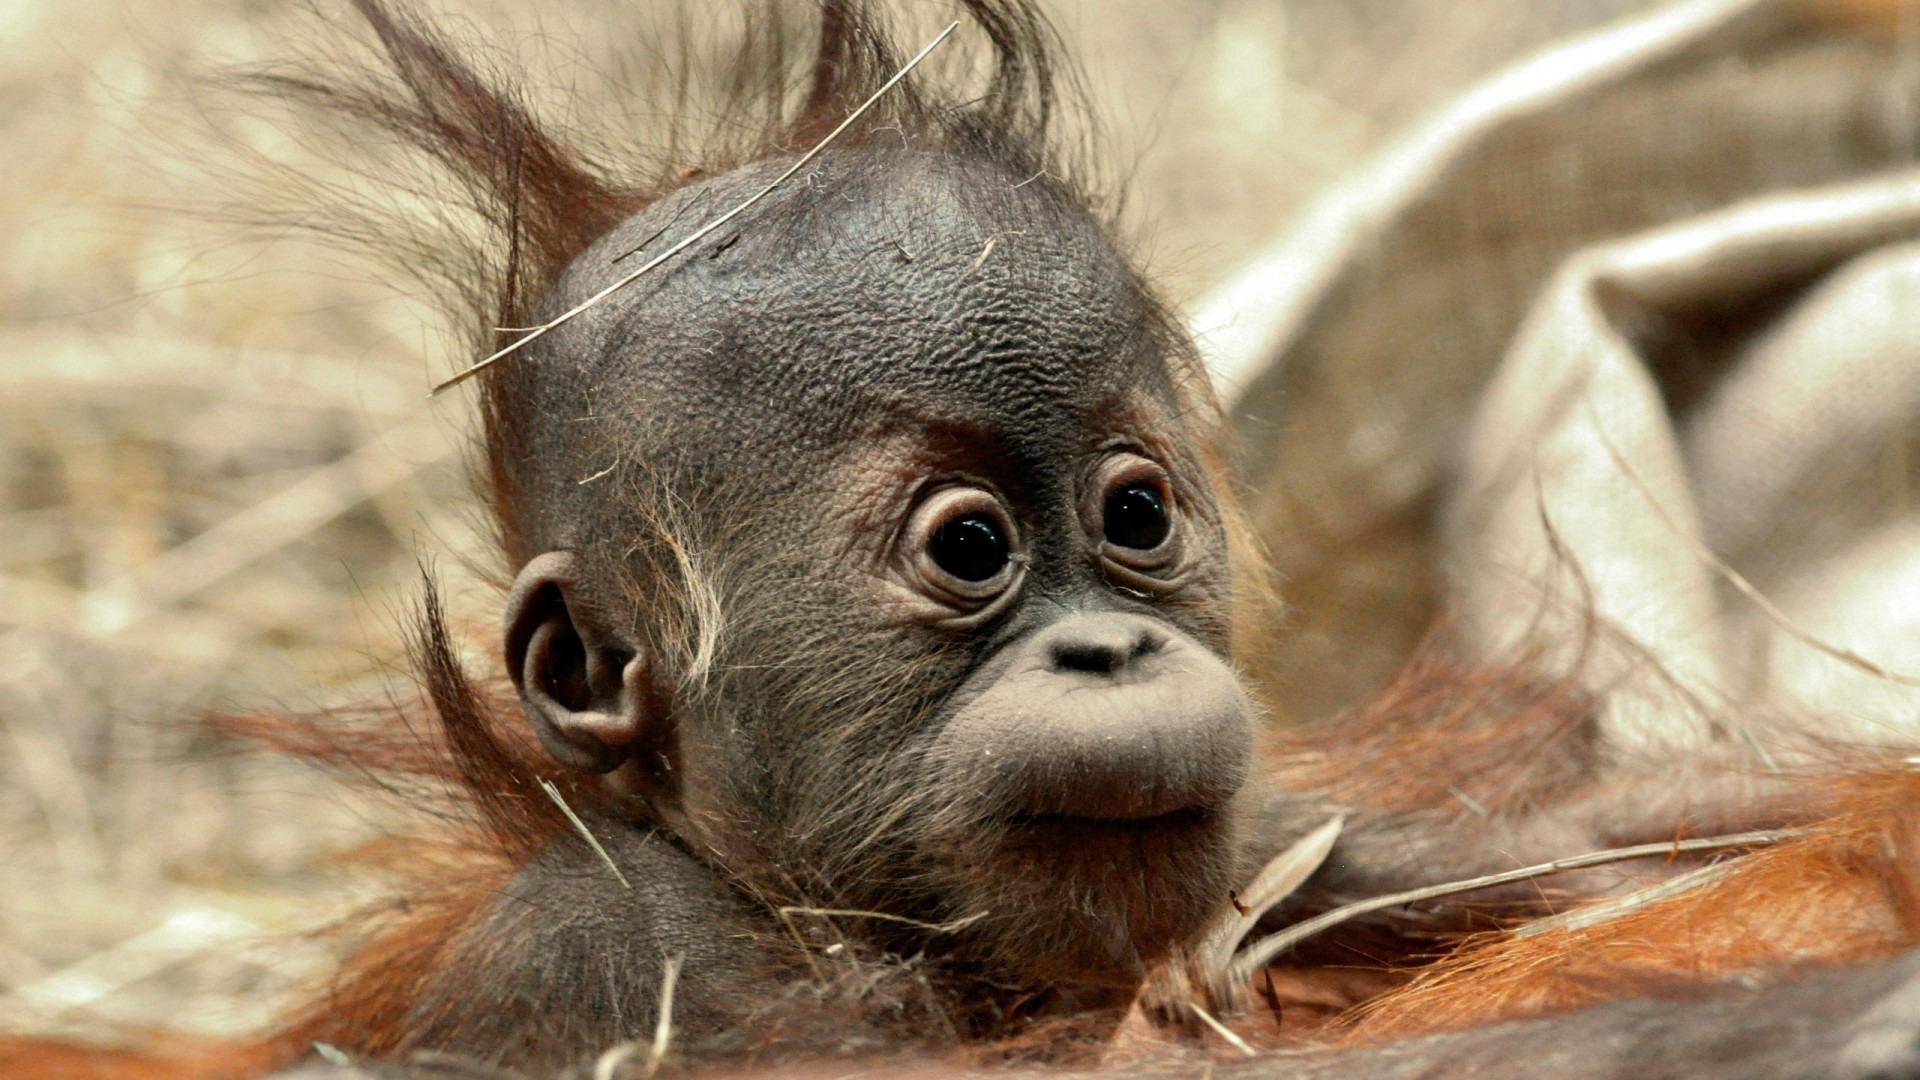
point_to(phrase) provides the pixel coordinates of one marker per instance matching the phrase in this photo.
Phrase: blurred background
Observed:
(219, 474)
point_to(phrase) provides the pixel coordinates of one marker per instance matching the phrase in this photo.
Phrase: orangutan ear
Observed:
(586, 690)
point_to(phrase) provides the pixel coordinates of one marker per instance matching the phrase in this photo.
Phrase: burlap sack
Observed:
(1613, 365)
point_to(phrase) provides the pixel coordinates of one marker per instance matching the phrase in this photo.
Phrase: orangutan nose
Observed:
(1101, 644)
(1107, 716)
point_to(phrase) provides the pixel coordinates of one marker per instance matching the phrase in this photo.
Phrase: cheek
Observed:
(1204, 607)
(817, 699)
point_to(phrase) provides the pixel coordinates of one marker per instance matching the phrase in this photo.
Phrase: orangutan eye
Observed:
(960, 547)
(1135, 516)
(971, 548)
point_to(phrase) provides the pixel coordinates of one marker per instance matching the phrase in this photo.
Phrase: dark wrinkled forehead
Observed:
(874, 288)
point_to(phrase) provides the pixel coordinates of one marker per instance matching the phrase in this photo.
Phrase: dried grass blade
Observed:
(611, 1063)
(1590, 915)
(579, 826)
(1278, 880)
(953, 926)
(1259, 954)
(1223, 1031)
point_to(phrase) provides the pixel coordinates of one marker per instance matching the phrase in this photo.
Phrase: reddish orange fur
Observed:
(1847, 890)
(148, 1056)
(464, 768)
(1502, 737)
(1507, 743)
(371, 1006)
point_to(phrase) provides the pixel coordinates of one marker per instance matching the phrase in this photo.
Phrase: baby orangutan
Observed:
(873, 586)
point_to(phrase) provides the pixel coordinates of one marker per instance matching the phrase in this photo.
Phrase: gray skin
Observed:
(775, 421)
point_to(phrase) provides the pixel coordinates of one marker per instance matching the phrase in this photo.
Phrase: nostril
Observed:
(1095, 657)
(1148, 643)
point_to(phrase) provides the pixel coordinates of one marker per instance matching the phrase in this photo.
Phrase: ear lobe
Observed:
(587, 692)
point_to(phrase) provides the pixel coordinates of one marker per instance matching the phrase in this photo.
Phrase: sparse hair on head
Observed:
(528, 195)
